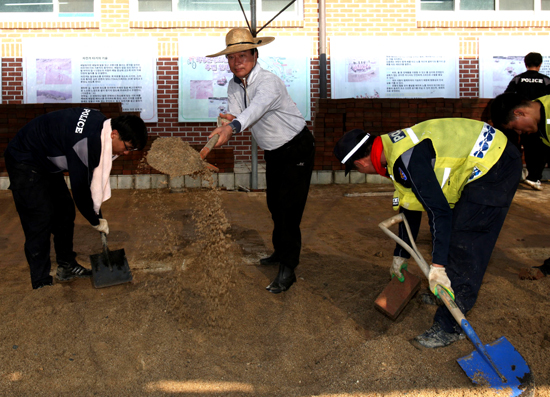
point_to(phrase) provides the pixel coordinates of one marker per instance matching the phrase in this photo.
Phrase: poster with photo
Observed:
(501, 59)
(92, 70)
(204, 81)
(394, 67)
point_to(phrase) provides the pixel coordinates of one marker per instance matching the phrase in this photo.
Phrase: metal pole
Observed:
(322, 49)
(253, 144)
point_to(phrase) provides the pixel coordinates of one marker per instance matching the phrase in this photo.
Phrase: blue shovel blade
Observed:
(509, 362)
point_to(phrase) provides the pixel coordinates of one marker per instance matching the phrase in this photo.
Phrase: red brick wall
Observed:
(12, 80)
(332, 117)
(469, 77)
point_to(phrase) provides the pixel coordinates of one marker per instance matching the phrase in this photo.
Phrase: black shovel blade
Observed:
(110, 268)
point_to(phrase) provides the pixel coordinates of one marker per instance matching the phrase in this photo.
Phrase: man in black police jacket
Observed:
(532, 85)
(77, 141)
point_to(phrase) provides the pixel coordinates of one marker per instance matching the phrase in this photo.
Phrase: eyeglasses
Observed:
(127, 148)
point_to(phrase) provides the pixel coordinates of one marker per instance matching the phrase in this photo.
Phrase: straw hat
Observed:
(240, 39)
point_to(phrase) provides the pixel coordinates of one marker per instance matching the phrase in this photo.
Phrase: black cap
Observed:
(351, 147)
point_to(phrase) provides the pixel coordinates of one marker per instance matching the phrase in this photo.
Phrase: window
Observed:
(484, 5)
(43, 10)
(211, 9)
(482, 10)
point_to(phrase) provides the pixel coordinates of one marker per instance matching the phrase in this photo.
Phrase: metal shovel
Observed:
(496, 364)
(109, 267)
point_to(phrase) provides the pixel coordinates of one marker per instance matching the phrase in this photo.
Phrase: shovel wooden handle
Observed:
(106, 249)
(442, 292)
(104, 241)
(209, 145)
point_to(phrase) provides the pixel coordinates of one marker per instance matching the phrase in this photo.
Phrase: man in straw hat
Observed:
(464, 174)
(258, 100)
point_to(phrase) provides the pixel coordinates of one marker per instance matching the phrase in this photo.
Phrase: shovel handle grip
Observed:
(391, 221)
(411, 250)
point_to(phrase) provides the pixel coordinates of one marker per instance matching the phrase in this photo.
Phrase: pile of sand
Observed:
(174, 157)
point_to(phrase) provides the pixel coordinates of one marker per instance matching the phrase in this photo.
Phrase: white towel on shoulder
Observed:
(101, 186)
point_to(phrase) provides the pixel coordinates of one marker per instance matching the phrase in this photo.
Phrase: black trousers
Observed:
(477, 220)
(288, 176)
(537, 154)
(45, 207)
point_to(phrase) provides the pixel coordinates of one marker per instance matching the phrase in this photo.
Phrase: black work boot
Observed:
(68, 271)
(285, 278)
(270, 260)
(544, 268)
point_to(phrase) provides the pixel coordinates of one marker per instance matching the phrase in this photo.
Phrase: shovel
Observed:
(110, 267)
(498, 364)
(205, 151)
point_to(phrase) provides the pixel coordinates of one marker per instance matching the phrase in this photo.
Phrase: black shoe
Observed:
(544, 268)
(43, 284)
(436, 337)
(429, 299)
(68, 271)
(270, 261)
(285, 278)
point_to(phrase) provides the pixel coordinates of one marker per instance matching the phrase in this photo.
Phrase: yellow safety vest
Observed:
(545, 101)
(465, 150)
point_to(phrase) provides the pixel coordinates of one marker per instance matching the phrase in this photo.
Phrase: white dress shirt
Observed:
(268, 109)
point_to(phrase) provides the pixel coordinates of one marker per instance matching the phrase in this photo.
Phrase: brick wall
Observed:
(343, 18)
(380, 116)
(468, 78)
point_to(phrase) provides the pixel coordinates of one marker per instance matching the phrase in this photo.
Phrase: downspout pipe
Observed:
(322, 49)
(253, 144)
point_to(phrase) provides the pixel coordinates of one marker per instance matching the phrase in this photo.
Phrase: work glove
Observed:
(103, 226)
(438, 276)
(395, 269)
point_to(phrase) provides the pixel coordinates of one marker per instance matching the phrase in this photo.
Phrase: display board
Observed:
(394, 67)
(91, 70)
(203, 81)
(501, 59)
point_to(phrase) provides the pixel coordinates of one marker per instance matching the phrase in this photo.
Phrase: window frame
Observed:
(482, 16)
(190, 16)
(51, 16)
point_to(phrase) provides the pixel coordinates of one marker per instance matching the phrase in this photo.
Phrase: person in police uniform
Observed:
(82, 142)
(514, 113)
(532, 84)
(259, 100)
(464, 174)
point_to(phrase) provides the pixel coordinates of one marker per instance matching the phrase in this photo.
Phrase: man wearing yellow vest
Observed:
(513, 112)
(464, 174)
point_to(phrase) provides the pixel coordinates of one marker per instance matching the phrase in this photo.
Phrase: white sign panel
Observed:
(501, 59)
(92, 70)
(394, 67)
(204, 81)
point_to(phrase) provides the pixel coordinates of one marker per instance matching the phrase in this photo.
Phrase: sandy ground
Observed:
(197, 321)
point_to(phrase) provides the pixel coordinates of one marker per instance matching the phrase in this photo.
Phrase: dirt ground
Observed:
(197, 320)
